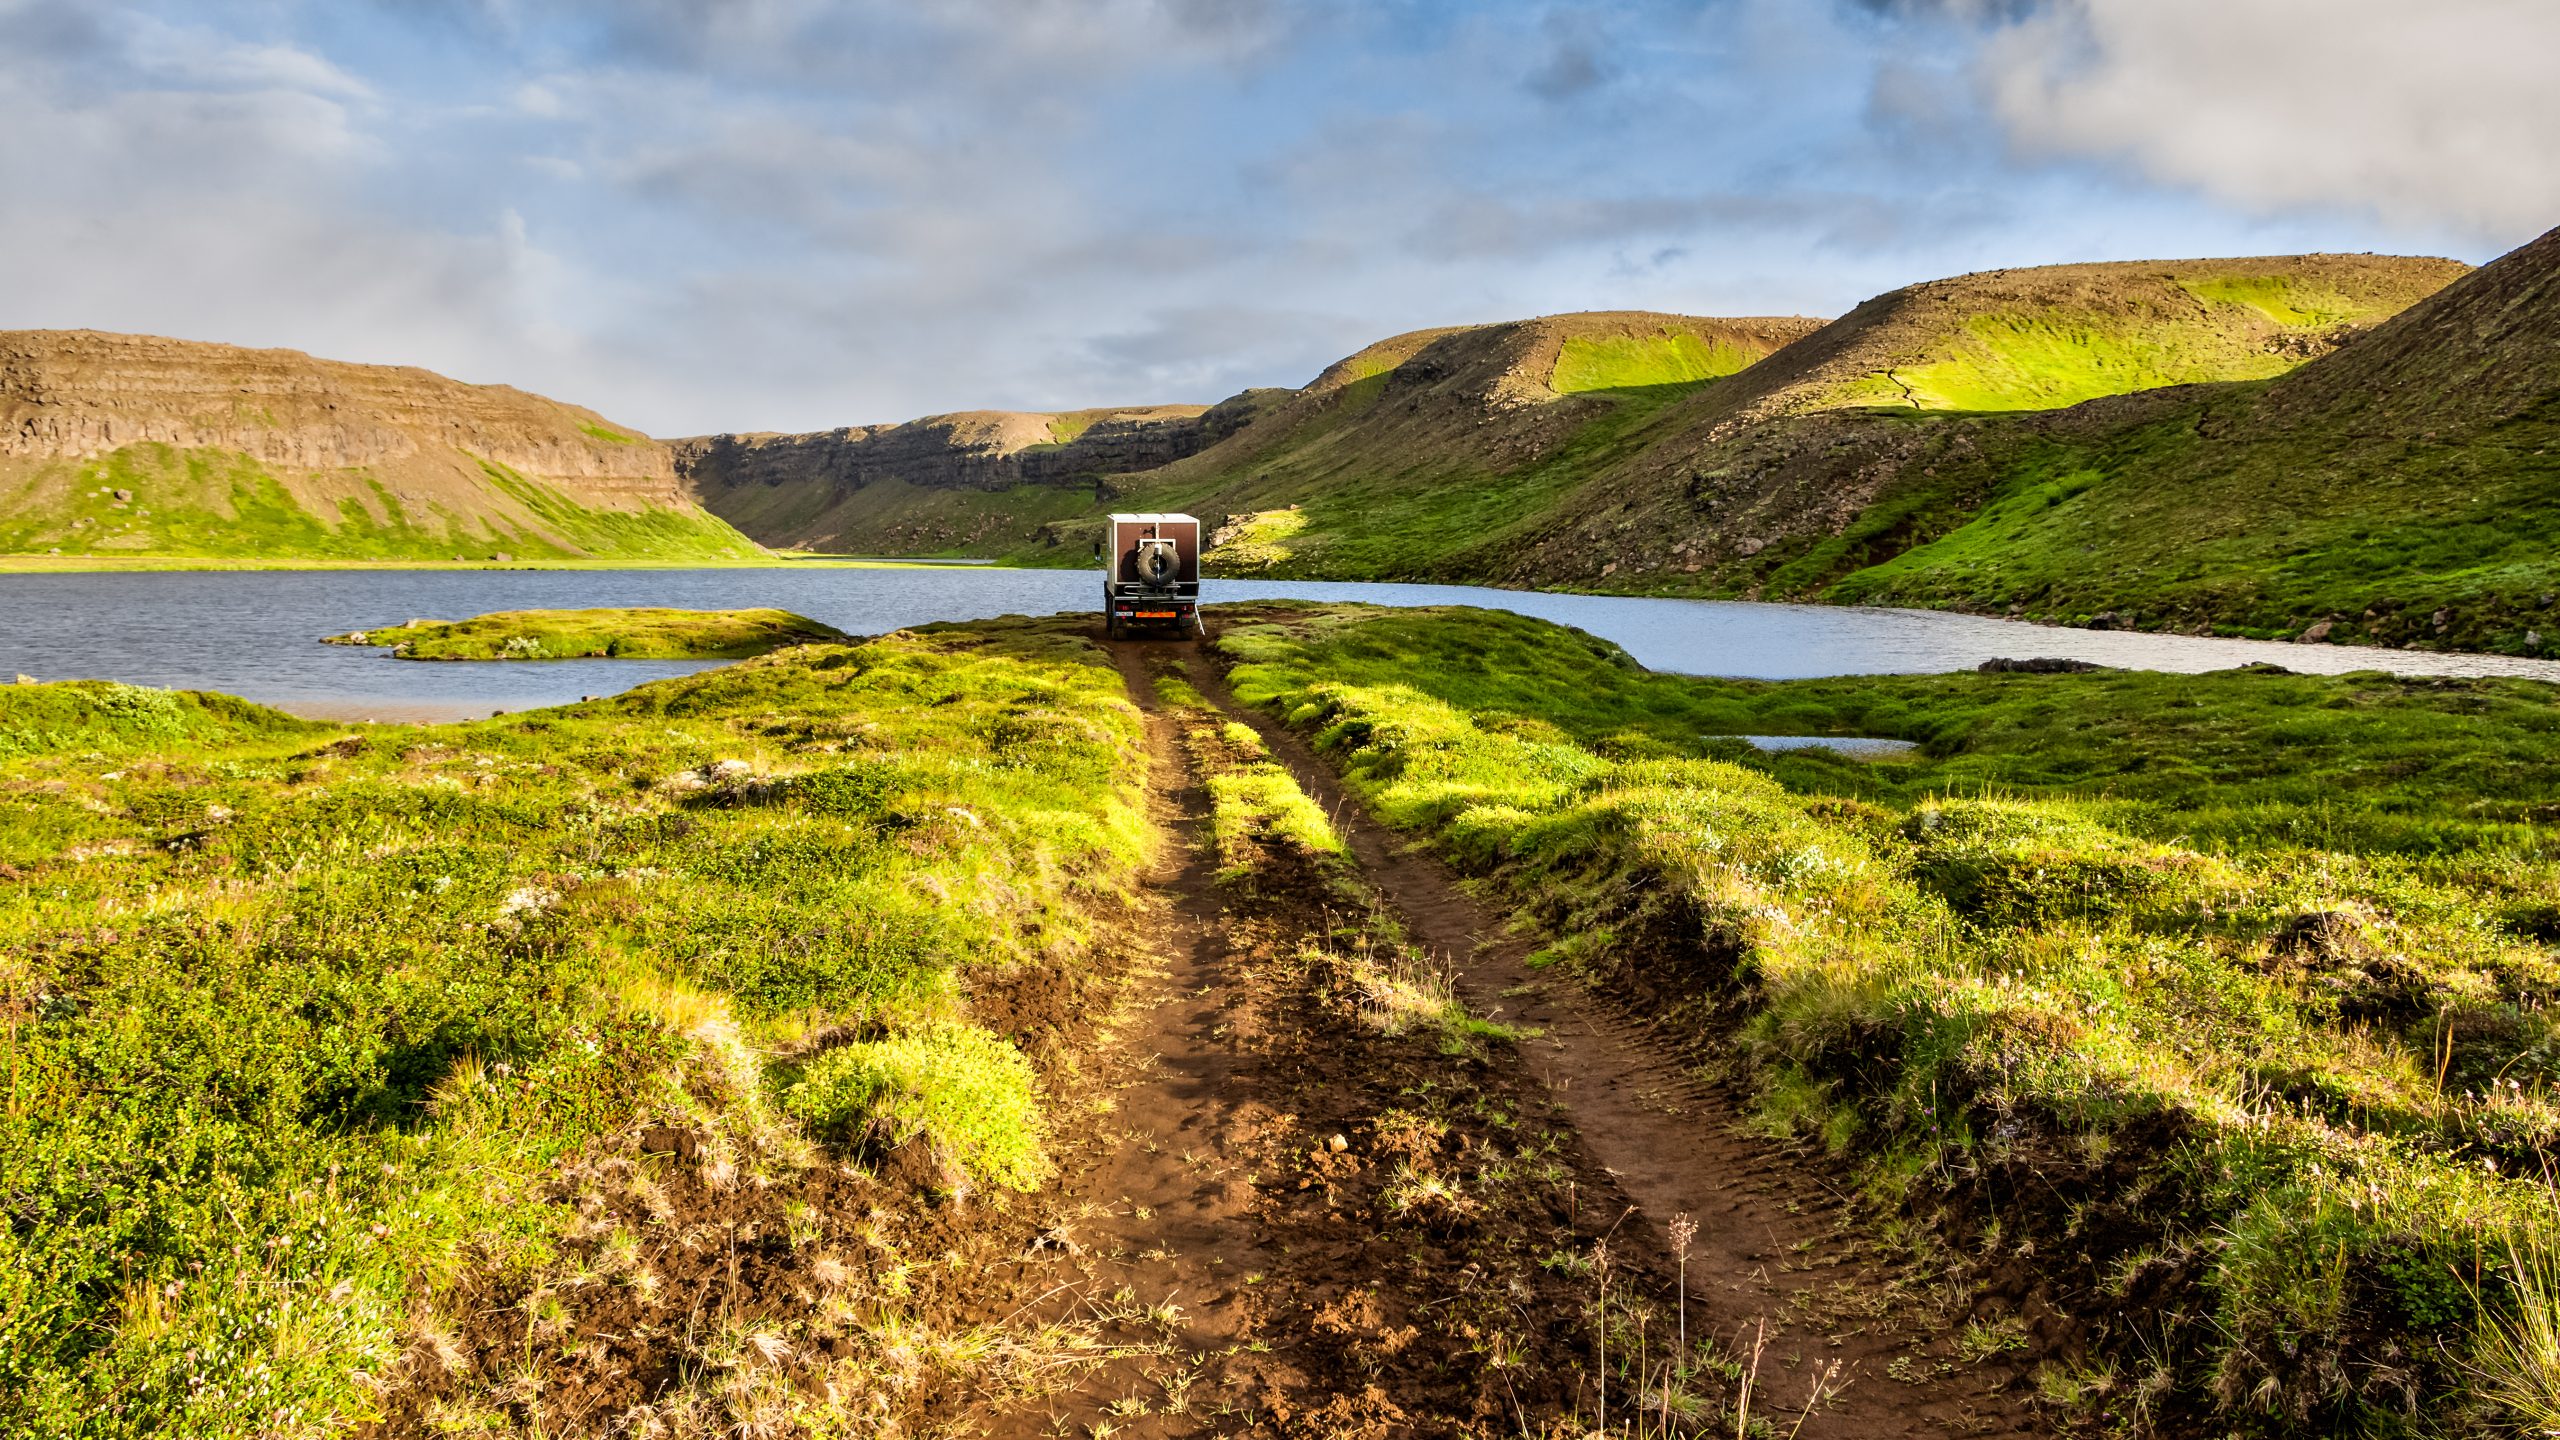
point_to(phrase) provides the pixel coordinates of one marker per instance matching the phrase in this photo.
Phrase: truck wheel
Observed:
(1111, 627)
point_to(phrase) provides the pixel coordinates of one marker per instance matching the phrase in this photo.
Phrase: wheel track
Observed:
(1774, 1260)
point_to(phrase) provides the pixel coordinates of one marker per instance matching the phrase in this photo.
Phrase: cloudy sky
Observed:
(700, 215)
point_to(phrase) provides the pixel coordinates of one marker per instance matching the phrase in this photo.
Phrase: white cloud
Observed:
(2438, 117)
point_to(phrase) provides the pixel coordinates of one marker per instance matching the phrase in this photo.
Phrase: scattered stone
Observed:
(2317, 633)
(503, 558)
(2105, 620)
(2042, 665)
(25, 679)
(124, 497)
(1336, 1143)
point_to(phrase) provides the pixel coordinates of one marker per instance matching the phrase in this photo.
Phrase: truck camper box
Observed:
(1151, 575)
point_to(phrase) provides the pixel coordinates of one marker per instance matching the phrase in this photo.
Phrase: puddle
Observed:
(1856, 747)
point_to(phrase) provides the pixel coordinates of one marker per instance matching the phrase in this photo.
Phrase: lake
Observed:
(255, 633)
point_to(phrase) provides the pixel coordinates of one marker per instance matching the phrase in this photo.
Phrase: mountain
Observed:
(1398, 423)
(935, 484)
(1713, 485)
(2404, 490)
(138, 446)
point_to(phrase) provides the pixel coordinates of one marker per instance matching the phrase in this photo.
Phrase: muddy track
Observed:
(1777, 1263)
(1159, 1241)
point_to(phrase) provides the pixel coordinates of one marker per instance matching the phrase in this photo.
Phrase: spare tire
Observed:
(1156, 564)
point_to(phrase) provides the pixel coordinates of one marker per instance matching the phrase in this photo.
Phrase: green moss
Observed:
(966, 1092)
(2262, 537)
(298, 1024)
(2184, 946)
(2289, 300)
(624, 634)
(606, 434)
(101, 715)
(1632, 362)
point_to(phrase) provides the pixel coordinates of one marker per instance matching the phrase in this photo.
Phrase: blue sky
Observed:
(699, 215)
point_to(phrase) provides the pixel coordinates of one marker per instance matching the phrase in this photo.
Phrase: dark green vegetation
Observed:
(631, 634)
(2211, 1009)
(304, 1023)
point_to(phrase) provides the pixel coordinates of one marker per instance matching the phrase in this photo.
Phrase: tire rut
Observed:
(1775, 1264)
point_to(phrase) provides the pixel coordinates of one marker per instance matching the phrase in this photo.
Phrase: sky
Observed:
(732, 215)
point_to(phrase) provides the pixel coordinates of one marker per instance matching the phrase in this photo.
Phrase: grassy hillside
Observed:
(2210, 1011)
(2405, 491)
(2400, 488)
(1679, 455)
(2042, 339)
(1399, 458)
(122, 447)
(214, 504)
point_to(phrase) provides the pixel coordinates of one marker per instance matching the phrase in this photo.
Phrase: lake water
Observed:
(254, 633)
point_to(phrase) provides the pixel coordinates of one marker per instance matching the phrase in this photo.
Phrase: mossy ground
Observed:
(2216, 1004)
(629, 634)
(302, 1021)
(2171, 528)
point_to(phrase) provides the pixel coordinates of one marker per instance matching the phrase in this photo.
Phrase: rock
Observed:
(2442, 620)
(2317, 633)
(1336, 1144)
(2042, 665)
(2533, 639)
(731, 769)
(26, 679)
(124, 497)
(2105, 620)
(503, 558)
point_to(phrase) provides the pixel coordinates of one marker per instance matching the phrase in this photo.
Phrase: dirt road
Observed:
(1248, 1227)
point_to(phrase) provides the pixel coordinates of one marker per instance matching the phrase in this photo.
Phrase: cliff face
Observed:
(218, 449)
(793, 489)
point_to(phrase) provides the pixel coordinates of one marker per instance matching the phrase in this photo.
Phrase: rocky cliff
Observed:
(218, 449)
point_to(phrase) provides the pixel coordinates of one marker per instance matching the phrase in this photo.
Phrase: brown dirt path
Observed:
(1776, 1254)
(1160, 1240)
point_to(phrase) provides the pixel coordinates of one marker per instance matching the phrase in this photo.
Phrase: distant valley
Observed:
(2338, 447)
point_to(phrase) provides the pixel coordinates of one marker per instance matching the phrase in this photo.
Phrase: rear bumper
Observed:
(1150, 610)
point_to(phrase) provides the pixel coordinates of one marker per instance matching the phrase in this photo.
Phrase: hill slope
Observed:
(1426, 442)
(2405, 490)
(935, 484)
(132, 445)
